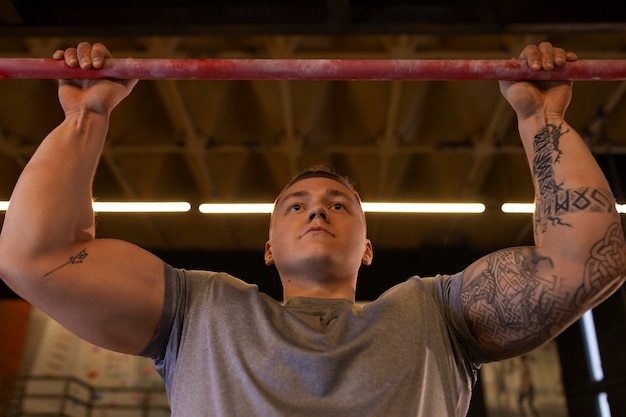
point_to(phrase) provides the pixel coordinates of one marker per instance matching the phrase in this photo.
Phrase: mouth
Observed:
(317, 230)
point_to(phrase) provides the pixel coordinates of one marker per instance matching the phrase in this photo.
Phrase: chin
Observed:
(321, 261)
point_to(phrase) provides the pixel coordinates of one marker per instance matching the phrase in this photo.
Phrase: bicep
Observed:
(107, 292)
(517, 299)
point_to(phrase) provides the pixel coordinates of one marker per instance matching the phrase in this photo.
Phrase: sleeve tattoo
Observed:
(513, 297)
(518, 300)
(603, 263)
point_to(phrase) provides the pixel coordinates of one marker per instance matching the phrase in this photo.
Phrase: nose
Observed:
(318, 212)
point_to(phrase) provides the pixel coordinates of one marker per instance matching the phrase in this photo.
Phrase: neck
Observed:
(330, 289)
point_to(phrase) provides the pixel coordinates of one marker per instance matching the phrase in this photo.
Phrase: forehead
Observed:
(317, 185)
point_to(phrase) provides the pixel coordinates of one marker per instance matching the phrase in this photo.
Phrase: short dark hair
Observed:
(324, 170)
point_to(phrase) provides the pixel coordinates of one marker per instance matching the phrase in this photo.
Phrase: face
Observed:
(318, 223)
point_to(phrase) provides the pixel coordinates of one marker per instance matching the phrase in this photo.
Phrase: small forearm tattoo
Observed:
(77, 259)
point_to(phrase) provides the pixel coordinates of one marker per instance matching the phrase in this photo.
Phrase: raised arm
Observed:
(519, 298)
(107, 292)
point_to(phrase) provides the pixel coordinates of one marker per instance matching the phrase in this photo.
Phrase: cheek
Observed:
(359, 231)
(278, 238)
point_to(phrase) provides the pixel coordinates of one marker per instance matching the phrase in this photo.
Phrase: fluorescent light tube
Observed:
(131, 207)
(368, 207)
(375, 207)
(530, 208)
(141, 207)
(248, 208)
(518, 207)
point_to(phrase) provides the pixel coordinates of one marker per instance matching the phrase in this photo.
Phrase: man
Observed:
(224, 349)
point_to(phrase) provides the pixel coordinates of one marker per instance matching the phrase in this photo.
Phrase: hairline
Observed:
(320, 174)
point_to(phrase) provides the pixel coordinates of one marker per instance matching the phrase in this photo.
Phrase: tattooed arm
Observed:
(519, 298)
(108, 292)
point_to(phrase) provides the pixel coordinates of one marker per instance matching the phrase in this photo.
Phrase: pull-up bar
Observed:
(313, 69)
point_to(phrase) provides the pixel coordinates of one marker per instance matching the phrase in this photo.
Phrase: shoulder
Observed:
(196, 280)
(438, 287)
(191, 298)
(419, 296)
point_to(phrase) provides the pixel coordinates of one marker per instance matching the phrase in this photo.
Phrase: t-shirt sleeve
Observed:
(173, 300)
(163, 348)
(449, 291)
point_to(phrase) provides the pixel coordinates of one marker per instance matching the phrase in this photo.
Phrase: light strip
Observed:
(131, 207)
(141, 207)
(530, 208)
(372, 207)
(602, 402)
(518, 208)
(423, 207)
(249, 208)
(591, 347)
(594, 361)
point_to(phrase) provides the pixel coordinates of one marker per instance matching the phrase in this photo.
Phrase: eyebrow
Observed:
(305, 193)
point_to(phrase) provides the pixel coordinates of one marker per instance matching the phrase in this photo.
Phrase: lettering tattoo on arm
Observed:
(517, 301)
(77, 259)
(547, 154)
(553, 200)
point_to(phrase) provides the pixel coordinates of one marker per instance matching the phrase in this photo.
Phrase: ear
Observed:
(269, 258)
(368, 254)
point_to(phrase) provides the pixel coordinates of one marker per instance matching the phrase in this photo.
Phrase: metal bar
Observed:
(314, 69)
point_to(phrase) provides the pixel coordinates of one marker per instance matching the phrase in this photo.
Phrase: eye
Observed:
(338, 206)
(295, 207)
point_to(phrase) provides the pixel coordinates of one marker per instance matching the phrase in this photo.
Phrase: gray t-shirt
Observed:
(225, 349)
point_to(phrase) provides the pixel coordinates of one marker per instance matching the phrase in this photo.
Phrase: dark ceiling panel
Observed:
(214, 141)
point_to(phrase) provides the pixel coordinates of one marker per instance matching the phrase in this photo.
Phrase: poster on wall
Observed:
(527, 386)
(71, 377)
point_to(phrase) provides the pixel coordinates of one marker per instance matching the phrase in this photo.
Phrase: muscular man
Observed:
(225, 349)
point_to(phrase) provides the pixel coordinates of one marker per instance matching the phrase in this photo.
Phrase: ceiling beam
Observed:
(174, 103)
(596, 128)
(131, 195)
(193, 144)
(282, 47)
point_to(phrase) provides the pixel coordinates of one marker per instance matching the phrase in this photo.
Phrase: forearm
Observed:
(519, 298)
(575, 221)
(50, 207)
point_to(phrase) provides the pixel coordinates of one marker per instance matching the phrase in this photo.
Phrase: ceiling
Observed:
(240, 141)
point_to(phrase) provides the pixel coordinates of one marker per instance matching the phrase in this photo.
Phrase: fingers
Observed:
(84, 55)
(570, 56)
(545, 56)
(99, 53)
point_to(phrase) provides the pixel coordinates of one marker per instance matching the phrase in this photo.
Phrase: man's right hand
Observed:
(541, 99)
(97, 95)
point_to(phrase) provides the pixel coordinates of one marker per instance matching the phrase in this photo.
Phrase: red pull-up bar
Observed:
(313, 69)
